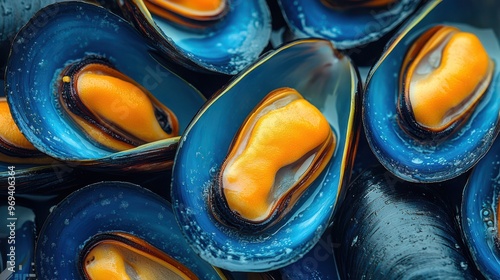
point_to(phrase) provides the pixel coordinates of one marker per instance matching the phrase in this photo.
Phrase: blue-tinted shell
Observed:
(479, 213)
(326, 79)
(110, 207)
(226, 47)
(399, 152)
(72, 31)
(345, 28)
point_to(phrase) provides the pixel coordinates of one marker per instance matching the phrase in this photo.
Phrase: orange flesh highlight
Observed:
(437, 98)
(110, 260)
(10, 132)
(122, 103)
(276, 140)
(191, 8)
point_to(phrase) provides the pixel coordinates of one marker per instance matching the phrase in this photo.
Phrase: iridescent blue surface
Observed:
(479, 213)
(110, 207)
(72, 31)
(346, 28)
(399, 152)
(329, 82)
(226, 47)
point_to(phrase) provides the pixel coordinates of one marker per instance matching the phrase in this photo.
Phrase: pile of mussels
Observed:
(250, 139)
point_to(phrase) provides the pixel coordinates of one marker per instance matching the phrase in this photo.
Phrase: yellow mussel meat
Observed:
(278, 152)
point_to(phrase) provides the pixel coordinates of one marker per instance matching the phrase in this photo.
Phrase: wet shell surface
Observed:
(391, 229)
(479, 213)
(348, 24)
(136, 227)
(224, 36)
(325, 79)
(428, 154)
(36, 71)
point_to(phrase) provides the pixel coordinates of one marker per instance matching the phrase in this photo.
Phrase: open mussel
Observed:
(221, 36)
(265, 173)
(116, 229)
(348, 24)
(387, 228)
(262, 124)
(433, 90)
(480, 212)
(101, 99)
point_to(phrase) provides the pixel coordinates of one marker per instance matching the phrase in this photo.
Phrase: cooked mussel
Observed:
(87, 90)
(426, 97)
(112, 229)
(292, 215)
(221, 36)
(14, 147)
(106, 74)
(444, 75)
(269, 165)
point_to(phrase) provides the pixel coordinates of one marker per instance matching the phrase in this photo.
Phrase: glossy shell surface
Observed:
(402, 154)
(346, 28)
(327, 80)
(229, 45)
(392, 229)
(86, 29)
(110, 207)
(479, 214)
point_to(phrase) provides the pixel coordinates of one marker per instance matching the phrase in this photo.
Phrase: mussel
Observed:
(433, 90)
(295, 213)
(444, 75)
(221, 36)
(479, 214)
(269, 166)
(101, 99)
(397, 230)
(111, 229)
(348, 24)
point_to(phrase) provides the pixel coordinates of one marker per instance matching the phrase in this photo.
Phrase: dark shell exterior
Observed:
(391, 229)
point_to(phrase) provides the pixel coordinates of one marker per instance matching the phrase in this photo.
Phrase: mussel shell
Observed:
(226, 47)
(387, 228)
(479, 214)
(110, 207)
(326, 79)
(346, 28)
(402, 154)
(38, 55)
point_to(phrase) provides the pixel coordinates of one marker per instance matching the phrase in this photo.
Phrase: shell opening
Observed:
(442, 81)
(123, 256)
(111, 108)
(269, 165)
